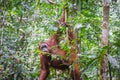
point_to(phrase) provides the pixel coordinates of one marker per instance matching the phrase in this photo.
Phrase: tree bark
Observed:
(105, 31)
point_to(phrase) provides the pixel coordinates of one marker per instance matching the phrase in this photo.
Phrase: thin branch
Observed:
(51, 2)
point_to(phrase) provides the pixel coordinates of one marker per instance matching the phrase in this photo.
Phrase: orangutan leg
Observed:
(59, 64)
(45, 64)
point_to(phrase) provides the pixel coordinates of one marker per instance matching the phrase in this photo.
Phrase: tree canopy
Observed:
(24, 24)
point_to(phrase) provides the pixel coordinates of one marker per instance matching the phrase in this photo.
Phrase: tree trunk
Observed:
(104, 63)
(78, 2)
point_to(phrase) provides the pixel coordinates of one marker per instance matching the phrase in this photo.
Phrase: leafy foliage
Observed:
(24, 24)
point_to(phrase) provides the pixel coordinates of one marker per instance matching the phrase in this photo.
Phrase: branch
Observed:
(51, 2)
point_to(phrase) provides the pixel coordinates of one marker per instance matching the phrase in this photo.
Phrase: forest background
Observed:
(26, 23)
